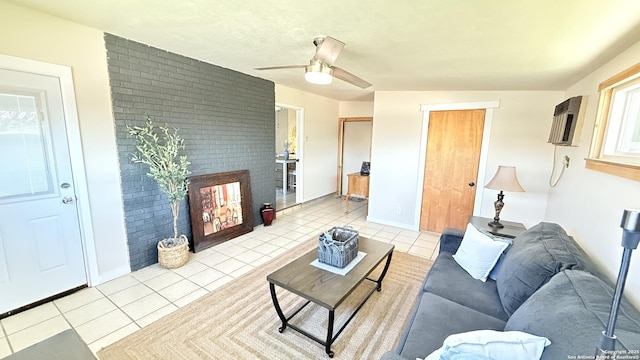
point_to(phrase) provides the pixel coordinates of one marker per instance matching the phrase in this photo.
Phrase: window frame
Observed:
(596, 161)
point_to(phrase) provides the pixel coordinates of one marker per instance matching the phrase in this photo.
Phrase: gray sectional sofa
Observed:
(546, 286)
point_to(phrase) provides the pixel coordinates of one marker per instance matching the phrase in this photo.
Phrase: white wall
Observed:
(356, 109)
(518, 137)
(319, 143)
(588, 203)
(282, 123)
(37, 36)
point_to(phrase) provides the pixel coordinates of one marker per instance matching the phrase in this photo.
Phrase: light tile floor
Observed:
(113, 310)
(285, 200)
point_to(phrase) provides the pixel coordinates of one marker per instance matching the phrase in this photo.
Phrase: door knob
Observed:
(67, 200)
(472, 184)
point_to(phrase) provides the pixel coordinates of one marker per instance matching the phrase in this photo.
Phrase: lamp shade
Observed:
(505, 179)
(318, 73)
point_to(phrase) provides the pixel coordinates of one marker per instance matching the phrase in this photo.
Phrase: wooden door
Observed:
(451, 168)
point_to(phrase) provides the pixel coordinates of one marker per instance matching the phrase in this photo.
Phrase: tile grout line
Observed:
(6, 337)
(118, 308)
(133, 321)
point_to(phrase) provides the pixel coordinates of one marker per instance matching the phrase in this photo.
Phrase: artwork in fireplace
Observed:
(220, 207)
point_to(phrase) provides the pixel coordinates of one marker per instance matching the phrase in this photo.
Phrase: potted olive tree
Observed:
(158, 148)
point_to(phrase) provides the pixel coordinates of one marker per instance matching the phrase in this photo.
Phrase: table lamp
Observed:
(505, 179)
(630, 238)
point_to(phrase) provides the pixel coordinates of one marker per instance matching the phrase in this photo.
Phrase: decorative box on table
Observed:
(338, 246)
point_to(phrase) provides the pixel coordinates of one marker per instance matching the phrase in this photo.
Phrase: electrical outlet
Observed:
(566, 161)
(398, 210)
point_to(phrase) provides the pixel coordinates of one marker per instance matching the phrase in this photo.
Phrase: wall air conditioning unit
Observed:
(568, 118)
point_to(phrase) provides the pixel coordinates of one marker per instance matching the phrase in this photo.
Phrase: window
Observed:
(615, 147)
(23, 149)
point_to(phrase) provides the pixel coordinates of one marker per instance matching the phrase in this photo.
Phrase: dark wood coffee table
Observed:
(326, 288)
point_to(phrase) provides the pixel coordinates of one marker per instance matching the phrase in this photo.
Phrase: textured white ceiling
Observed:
(395, 45)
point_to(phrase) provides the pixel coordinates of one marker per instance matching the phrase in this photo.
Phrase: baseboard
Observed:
(320, 198)
(305, 203)
(110, 275)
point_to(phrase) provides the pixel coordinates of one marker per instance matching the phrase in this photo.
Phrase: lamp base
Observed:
(496, 224)
(606, 348)
(498, 204)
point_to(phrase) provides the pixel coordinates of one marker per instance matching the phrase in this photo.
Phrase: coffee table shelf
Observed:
(328, 289)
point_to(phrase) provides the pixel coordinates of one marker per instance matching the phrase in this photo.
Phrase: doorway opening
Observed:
(354, 147)
(288, 155)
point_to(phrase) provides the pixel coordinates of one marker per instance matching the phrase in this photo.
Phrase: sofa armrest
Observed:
(450, 240)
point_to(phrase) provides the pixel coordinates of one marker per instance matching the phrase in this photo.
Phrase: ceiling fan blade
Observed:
(281, 67)
(329, 50)
(350, 78)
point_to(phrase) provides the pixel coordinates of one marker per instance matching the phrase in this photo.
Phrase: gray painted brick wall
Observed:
(226, 118)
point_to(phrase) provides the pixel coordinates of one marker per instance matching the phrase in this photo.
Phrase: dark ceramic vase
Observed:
(267, 212)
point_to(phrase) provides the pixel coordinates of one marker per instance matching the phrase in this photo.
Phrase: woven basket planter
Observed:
(173, 257)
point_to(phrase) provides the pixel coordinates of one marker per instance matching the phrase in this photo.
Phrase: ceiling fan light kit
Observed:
(320, 69)
(318, 73)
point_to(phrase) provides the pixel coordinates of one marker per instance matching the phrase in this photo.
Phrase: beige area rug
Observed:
(238, 320)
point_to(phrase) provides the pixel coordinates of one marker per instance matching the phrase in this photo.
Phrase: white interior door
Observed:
(357, 148)
(41, 251)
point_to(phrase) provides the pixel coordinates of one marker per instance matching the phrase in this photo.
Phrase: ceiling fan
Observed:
(320, 69)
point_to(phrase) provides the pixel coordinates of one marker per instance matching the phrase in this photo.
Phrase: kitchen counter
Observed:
(285, 170)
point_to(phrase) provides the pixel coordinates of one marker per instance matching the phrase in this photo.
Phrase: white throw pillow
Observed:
(497, 345)
(493, 275)
(478, 253)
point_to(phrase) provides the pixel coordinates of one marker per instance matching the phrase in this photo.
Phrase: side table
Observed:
(510, 229)
(357, 185)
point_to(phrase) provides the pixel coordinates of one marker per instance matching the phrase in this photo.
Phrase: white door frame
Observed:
(482, 163)
(342, 122)
(300, 140)
(75, 150)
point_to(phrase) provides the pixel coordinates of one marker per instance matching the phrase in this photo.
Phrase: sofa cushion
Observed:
(535, 256)
(434, 319)
(447, 279)
(478, 253)
(572, 310)
(492, 344)
(493, 275)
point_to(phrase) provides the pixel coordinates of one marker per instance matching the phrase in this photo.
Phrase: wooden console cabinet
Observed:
(358, 185)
